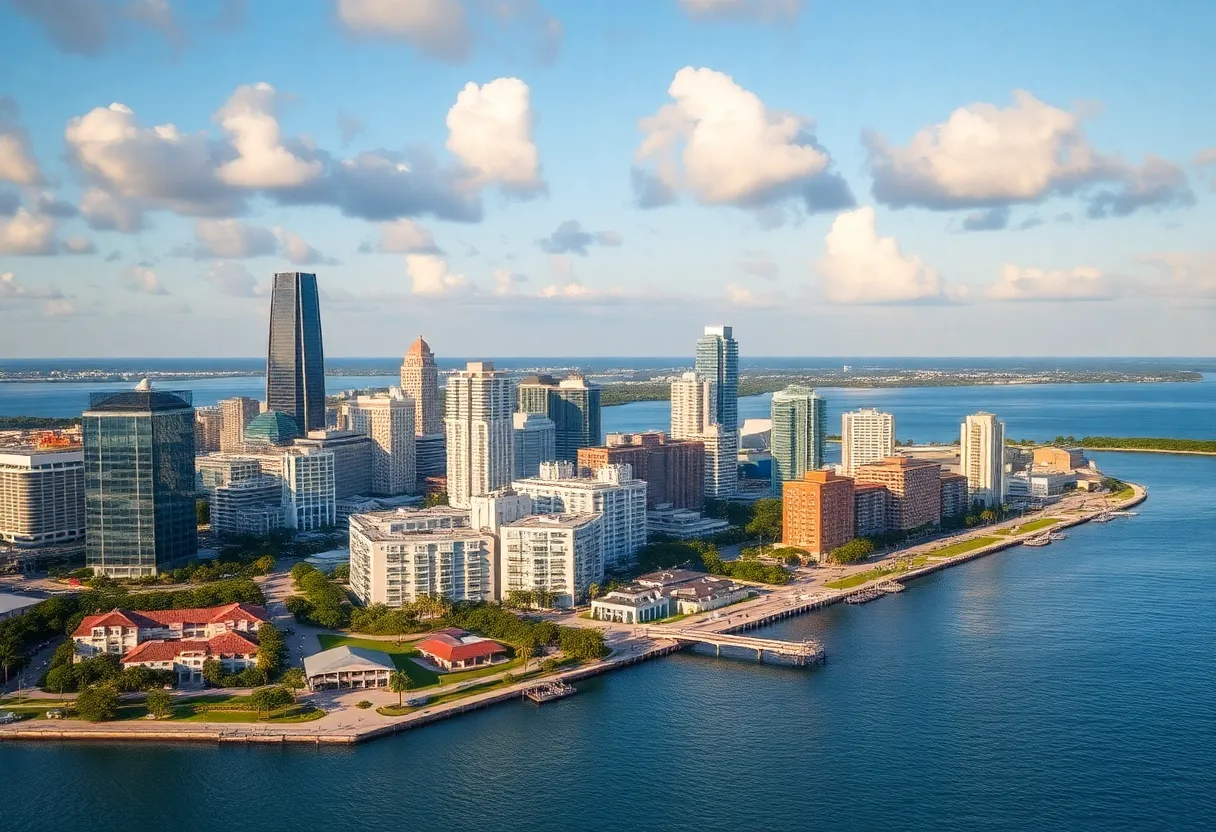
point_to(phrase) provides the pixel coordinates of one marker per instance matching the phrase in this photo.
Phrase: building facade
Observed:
(982, 442)
(251, 506)
(866, 436)
(915, 490)
(955, 499)
(870, 504)
(42, 500)
(1060, 460)
(694, 409)
(235, 414)
(557, 553)
(717, 360)
(673, 469)
(208, 428)
(295, 357)
(799, 432)
(139, 481)
(420, 381)
(573, 404)
(213, 470)
(611, 491)
(430, 456)
(535, 442)
(388, 421)
(480, 432)
(352, 454)
(309, 499)
(818, 512)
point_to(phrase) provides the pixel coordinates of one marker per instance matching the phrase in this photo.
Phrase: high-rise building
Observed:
(139, 481)
(983, 458)
(352, 452)
(817, 512)
(557, 553)
(955, 501)
(535, 442)
(251, 506)
(915, 490)
(208, 428)
(480, 431)
(397, 557)
(41, 496)
(611, 491)
(572, 403)
(309, 496)
(420, 381)
(866, 436)
(694, 408)
(430, 456)
(718, 361)
(871, 502)
(295, 358)
(236, 414)
(798, 434)
(674, 470)
(389, 422)
(213, 470)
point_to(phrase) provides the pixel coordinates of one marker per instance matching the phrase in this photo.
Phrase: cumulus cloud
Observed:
(405, 236)
(299, 252)
(104, 212)
(721, 144)
(145, 281)
(766, 11)
(570, 238)
(17, 163)
(49, 205)
(860, 267)
(26, 233)
(506, 281)
(993, 219)
(230, 238)
(1029, 284)
(1184, 274)
(249, 118)
(429, 275)
(11, 288)
(231, 279)
(438, 28)
(78, 245)
(573, 289)
(59, 308)
(88, 27)
(985, 156)
(758, 264)
(743, 297)
(490, 131)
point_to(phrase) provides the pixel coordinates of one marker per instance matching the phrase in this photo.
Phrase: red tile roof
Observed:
(164, 650)
(149, 619)
(446, 645)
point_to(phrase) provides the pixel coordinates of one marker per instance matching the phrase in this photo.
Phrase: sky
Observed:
(577, 178)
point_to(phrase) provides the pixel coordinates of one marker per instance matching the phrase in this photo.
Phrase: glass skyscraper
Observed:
(295, 359)
(574, 406)
(718, 361)
(798, 435)
(139, 481)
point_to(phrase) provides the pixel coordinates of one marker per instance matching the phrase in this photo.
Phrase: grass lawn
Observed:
(1035, 525)
(402, 656)
(1125, 494)
(962, 547)
(296, 713)
(672, 619)
(860, 578)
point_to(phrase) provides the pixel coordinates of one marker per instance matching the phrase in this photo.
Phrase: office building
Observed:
(694, 405)
(251, 506)
(352, 452)
(295, 358)
(799, 423)
(397, 557)
(818, 512)
(480, 430)
(982, 450)
(915, 489)
(430, 456)
(235, 414)
(870, 504)
(556, 553)
(611, 491)
(866, 436)
(717, 360)
(309, 499)
(535, 442)
(42, 496)
(420, 382)
(389, 422)
(139, 481)
(1060, 460)
(213, 470)
(673, 469)
(208, 428)
(572, 403)
(955, 499)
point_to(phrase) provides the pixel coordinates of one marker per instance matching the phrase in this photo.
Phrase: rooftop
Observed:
(346, 659)
(10, 603)
(454, 645)
(554, 521)
(272, 428)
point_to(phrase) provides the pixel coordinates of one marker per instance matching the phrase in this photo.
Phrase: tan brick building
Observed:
(674, 470)
(818, 512)
(915, 487)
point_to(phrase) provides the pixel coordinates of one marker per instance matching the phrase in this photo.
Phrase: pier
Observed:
(801, 653)
(549, 691)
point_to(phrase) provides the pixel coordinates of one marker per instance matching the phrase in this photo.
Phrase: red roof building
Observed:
(454, 649)
(234, 652)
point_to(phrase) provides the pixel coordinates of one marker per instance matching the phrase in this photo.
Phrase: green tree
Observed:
(435, 498)
(11, 653)
(524, 651)
(159, 703)
(294, 679)
(595, 591)
(855, 550)
(213, 672)
(988, 516)
(202, 512)
(399, 682)
(270, 699)
(272, 650)
(97, 703)
(766, 520)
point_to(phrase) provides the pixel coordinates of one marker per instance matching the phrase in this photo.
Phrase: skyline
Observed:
(494, 185)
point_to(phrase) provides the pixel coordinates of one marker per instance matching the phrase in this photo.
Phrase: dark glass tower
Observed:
(574, 406)
(139, 481)
(295, 360)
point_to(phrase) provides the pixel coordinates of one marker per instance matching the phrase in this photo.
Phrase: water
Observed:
(1069, 687)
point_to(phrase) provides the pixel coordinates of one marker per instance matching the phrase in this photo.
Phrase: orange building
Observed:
(915, 487)
(818, 512)
(673, 469)
(1062, 460)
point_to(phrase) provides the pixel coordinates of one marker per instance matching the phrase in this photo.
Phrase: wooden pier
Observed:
(801, 653)
(549, 691)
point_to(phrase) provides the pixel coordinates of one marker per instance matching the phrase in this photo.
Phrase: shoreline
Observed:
(1148, 451)
(790, 600)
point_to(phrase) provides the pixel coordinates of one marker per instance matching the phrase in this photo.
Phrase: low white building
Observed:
(348, 667)
(682, 523)
(251, 506)
(1039, 484)
(706, 593)
(557, 553)
(631, 605)
(397, 557)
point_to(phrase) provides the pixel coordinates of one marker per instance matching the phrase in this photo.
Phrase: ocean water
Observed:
(1066, 688)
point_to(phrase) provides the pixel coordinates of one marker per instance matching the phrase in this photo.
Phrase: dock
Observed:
(801, 653)
(549, 691)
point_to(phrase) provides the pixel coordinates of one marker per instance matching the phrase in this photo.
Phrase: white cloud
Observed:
(404, 236)
(1184, 274)
(231, 279)
(26, 233)
(144, 281)
(722, 144)
(573, 289)
(103, 212)
(860, 267)
(78, 245)
(299, 252)
(1080, 283)
(430, 275)
(570, 238)
(490, 131)
(232, 238)
(988, 156)
(58, 308)
(505, 281)
(10, 288)
(743, 297)
(17, 162)
(263, 162)
(762, 10)
(438, 28)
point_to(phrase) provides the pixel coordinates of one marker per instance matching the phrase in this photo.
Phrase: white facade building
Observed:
(214, 470)
(694, 406)
(866, 435)
(493, 511)
(41, 497)
(557, 553)
(983, 458)
(611, 491)
(389, 421)
(251, 506)
(535, 442)
(480, 432)
(397, 557)
(308, 489)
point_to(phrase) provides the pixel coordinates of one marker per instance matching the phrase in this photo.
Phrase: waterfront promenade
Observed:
(343, 723)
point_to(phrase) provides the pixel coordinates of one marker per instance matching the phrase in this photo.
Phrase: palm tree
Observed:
(524, 651)
(399, 683)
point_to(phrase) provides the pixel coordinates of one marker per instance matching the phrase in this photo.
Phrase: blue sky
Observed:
(930, 178)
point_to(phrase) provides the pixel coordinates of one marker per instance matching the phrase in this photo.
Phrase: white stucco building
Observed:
(982, 452)
(558, 553)
(480, 429)
(866, 436)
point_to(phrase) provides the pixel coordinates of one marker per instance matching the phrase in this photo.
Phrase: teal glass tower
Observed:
(295, 358)
(718, 360)
(798, 435)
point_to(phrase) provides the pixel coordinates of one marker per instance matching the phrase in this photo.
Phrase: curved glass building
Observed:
(295, 359)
